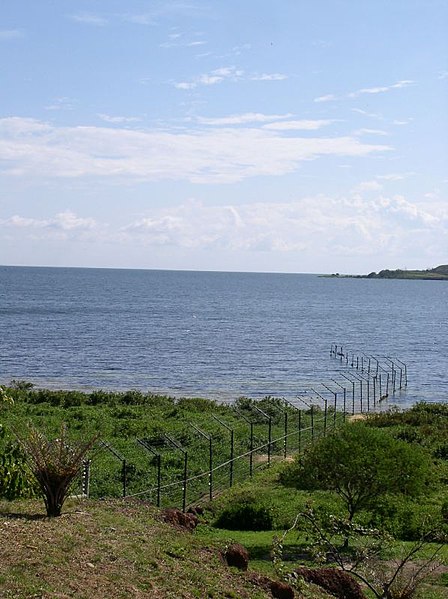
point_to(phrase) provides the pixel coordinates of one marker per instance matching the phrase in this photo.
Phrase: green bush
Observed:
(246, 513)
(361, 464)
(16, 481)
(405, 519)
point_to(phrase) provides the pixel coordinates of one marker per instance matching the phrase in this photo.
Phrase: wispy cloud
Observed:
(361, 221)
(118, 119)
(380, 132)
(371, 115)
(380, 89)
(304, 125)
(240, 119)
(231, 73)
(66, 222)
(395, 176)
(214, 155)
(90, 19)
(372, 185)
(401, 122)
(269, 77)
(326, 98)
(11, 34)
(140, 19)
(182, 40)
(212, 78)
(62, 103)
(366, 90)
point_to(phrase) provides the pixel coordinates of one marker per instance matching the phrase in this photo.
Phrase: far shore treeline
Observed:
(439, 273)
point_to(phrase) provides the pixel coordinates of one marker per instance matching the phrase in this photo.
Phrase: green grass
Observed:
(116, 549)
(93, 543)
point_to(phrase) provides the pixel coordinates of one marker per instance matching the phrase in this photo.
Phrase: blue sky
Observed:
(295, 136)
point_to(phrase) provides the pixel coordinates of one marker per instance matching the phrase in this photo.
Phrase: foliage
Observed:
(406, 518)
(385, 580)
(55, 464)
(121, 418)
(15, 478)
(5, 397)
(247, 512)
(360, 464)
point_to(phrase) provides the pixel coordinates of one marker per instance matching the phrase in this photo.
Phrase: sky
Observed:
(236, 135)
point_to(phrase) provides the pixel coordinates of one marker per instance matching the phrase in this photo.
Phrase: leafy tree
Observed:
(361, 464)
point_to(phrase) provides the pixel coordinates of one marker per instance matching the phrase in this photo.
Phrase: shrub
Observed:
(55, 465)
(246, 513)
(361, 464)
(16, 481)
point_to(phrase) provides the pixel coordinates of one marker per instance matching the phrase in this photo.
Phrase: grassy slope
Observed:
(109, 549)
(120, 549)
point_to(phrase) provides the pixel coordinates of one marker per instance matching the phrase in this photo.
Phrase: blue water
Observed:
(216, 335)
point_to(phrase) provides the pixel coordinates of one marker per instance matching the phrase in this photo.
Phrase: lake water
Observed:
(216, 335)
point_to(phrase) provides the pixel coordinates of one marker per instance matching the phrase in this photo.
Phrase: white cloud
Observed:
(185, 85)
(370, 132)
(356, 223)
(89, 19)
(62, 103)
(240, 119)
(231, 73)
(177, 40)
(141, 19)
(222, 155)
(402, 122)
(118, 119)
(65, 223)
(11, 34)
(269, 77)
(399, 205)
(305, 125)
(369, 91)
(212, 78)
(326, 98)
(372, 115)
(394, 176)
(382, 89)
(369, 186)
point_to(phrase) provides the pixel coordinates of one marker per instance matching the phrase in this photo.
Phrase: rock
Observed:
(178, 518)
(281, 590)
(337, 582)
(196, 510)
(237, 555)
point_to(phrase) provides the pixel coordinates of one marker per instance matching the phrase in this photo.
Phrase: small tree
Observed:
(55, 464)
(361, 464)
(391, 579)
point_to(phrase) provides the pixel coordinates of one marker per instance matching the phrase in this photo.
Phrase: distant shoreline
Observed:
(440, 273)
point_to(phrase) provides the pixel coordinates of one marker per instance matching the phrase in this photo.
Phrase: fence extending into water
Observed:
(170, 473)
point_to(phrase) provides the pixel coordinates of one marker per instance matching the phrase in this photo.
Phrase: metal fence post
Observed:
(269, 432)
(85, 477)
(210, 458)
(145, 443)
(251, 447)
(232, 446)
